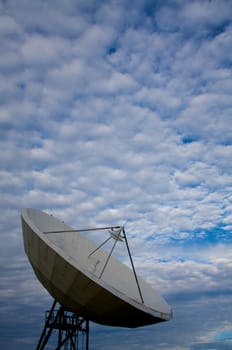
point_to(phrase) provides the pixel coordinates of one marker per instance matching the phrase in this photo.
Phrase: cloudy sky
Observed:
(120, 111)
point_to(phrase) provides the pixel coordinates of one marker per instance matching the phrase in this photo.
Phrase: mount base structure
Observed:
(71, 330)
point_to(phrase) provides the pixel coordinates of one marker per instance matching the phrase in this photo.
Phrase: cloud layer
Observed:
(112, 114)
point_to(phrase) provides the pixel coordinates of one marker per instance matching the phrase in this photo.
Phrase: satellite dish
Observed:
(74, 271)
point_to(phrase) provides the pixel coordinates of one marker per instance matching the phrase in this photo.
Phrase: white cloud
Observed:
(193, 17)
(54, 51)
(206, 13)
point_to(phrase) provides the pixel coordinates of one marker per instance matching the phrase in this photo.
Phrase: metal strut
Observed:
(70, 327)
(117, 238)
(132, 264)
(84, 230)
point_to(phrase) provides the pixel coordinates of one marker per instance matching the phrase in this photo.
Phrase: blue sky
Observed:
(113, 113)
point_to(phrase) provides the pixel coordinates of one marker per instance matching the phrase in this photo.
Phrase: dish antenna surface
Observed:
(87, 280)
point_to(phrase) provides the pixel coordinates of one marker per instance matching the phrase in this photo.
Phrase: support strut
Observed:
(72, 330)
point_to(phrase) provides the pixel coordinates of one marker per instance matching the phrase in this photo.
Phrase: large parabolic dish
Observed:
(63, 262)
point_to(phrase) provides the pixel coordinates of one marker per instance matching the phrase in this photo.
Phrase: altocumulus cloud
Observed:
(112, 113)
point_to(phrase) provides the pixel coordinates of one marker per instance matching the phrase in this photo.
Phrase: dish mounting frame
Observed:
(72, 330)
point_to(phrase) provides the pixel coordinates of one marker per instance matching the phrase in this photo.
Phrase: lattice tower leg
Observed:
(72, 330)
